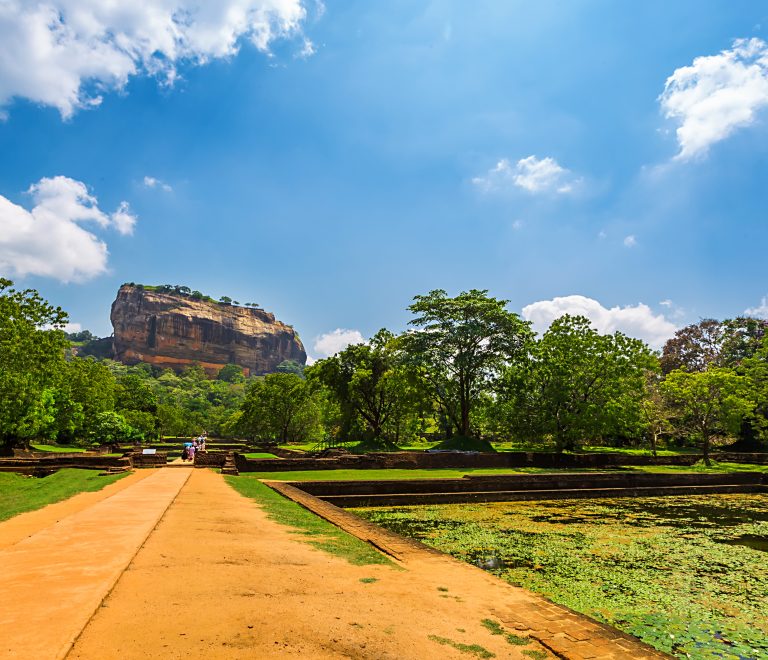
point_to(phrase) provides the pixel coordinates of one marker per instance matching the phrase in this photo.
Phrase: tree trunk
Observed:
(705, 449)
(654, 436)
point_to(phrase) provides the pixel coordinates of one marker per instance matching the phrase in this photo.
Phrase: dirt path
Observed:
(218, 579)
(26, 524)
(53, 581)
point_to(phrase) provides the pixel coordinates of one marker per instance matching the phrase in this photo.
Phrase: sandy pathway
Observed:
(218, 579)
(26, 524)
(52, 581)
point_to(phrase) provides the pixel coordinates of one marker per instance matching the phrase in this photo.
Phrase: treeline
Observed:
(467, 373)
(187, 292)
(470, 372)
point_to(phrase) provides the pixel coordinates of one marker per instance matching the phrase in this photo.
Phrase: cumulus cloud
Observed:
(716, 95)
(761, 311)
(630, 241)
(49, 240)
(337, 340)
(535, 175)
(153, 182)
(66, 53)
(633, 320)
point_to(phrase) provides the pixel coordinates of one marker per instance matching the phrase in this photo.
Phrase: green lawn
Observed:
(259, 455)
(19, 493)
(315, 530)
(458, 473)
(372, 475)
(700, 468)
(57, 449)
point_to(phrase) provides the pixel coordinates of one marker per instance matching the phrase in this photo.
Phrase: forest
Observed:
(467, 374)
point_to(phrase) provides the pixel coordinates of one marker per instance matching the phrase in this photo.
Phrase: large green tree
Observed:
(371, 383)
(579, 385)
(460, 345)
(280, 407)
(32, 347)
(87, 389)
(708, 403)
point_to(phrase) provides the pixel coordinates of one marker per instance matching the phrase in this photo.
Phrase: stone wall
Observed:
(426, 460)
(505, 488)
(204, 459)
(160, 459)
(40, 466)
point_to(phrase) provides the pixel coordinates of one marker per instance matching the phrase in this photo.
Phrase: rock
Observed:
(173, 330)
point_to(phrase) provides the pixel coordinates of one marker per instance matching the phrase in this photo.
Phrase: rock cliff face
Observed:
(170, 330)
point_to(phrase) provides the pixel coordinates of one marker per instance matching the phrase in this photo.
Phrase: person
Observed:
(185, 451)
(192, 450)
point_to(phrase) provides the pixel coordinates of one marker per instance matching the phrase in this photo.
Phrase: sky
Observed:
(331, 160)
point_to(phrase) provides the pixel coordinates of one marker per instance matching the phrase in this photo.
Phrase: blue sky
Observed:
(332, 161)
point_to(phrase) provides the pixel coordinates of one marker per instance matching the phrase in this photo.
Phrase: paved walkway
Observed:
(53, 581)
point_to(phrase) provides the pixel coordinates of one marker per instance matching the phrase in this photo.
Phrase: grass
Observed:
(495, 628)
(374, 475)
(316, 531)
(19, 493)
(58, 449)
(257, 454)
(700, 468)
(473, 649)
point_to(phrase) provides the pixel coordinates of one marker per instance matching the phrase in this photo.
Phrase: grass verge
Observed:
(19, 493)
(318, 532)
(473, 649)
(58, 449)
(700, 468)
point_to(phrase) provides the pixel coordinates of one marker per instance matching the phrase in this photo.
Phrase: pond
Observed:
(687, 575)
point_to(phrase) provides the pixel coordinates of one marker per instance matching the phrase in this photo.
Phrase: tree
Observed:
(655, 413)
(31, 363)
(290, 367)
(136, 401)
(87, 389)
(111, 428)
(460, 345)
(743, 337)
(579, 384)
(231, 373)
(225, 300)
(368, 381)
(755, 370)
(707, 403)
(693, 347)
(280, 407)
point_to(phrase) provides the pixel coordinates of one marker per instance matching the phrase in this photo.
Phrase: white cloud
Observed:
(153, 182)
(761, 311)
(716, 95)
(49, 240)
(535, 175)
(337, 340)
(630, 241)
(633, 320)
(517, 224)
(66, 53)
